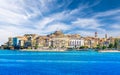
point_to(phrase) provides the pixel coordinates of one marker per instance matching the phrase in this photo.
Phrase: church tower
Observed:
(106, 36)
(96, 34)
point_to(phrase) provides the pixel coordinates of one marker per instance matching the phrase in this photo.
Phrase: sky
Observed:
(84, 17)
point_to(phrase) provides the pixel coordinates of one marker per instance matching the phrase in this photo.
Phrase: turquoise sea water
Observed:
(59, 63)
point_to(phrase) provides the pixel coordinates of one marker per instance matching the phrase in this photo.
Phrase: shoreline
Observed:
(53, 50)
(63, 50)
(46, 50)
(109, 51)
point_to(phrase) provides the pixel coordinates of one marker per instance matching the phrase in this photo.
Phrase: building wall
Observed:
(15, 41)
(21, 43)
(118, 44)
(76, 43)
(10, 42)
(59, 42)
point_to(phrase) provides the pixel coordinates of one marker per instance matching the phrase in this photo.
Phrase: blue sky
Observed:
(84, 17)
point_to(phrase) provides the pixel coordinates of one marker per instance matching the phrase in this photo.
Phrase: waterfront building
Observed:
(76, 43)
(10, 42)
(41, 41)
(106, 43)
(22, 40)
(117, 43)
(18, 41)
(59, 42)
(48, 42)
(15, 41)
(111, 40)
(31, 40)
(91, 42)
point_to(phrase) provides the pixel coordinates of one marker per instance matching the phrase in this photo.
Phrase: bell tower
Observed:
(106, 36)
(96, 34)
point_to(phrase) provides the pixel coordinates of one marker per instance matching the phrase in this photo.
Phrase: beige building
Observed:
(22, 40)
(118, 43)
(91, 42)
(59, 42)
(41, 41)
(10, 42)
(31, 40)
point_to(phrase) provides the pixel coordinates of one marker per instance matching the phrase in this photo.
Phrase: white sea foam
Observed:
(55, 61)
(47, 54)
(10, 64)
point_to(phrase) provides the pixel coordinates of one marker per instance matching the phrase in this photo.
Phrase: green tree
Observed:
(83, 47)
(111, 45)
(50, 47)
(98, 47)
(104, 47)
(116, 43)
(21, 47)
(36, 46)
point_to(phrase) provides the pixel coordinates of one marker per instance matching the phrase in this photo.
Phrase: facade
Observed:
(31, 40)
(10, 41)
(18, 41)
(91, 42)
(118, 46)
(41, 41)
(76, 43)
(15, 41)
(59, 40)
(117, 41)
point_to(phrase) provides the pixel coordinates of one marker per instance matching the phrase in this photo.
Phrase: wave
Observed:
(48, 54)
(10, 65)
(56, 61)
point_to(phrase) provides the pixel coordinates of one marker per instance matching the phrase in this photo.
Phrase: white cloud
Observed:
(115, 26)
(57, 26)
(107, 13)
(113, 33)
(44, 22)
(86, 23)
(12, 13)
(18, 17)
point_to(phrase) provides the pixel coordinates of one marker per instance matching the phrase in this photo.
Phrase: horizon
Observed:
(70, 16)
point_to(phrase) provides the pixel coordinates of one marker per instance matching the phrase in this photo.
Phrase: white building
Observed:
(74, 43)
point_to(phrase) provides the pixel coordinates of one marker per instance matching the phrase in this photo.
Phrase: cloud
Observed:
(115, 26)
(44, 22)
(18, 17)
(86, 23)
(112, 13)
(57, 26)
(9, 14)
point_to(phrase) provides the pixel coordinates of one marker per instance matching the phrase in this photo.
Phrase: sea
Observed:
(15, 62)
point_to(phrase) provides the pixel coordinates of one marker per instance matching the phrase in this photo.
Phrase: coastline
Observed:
(63, 50)
(46, 50)
(109, 51)
(53, 50)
